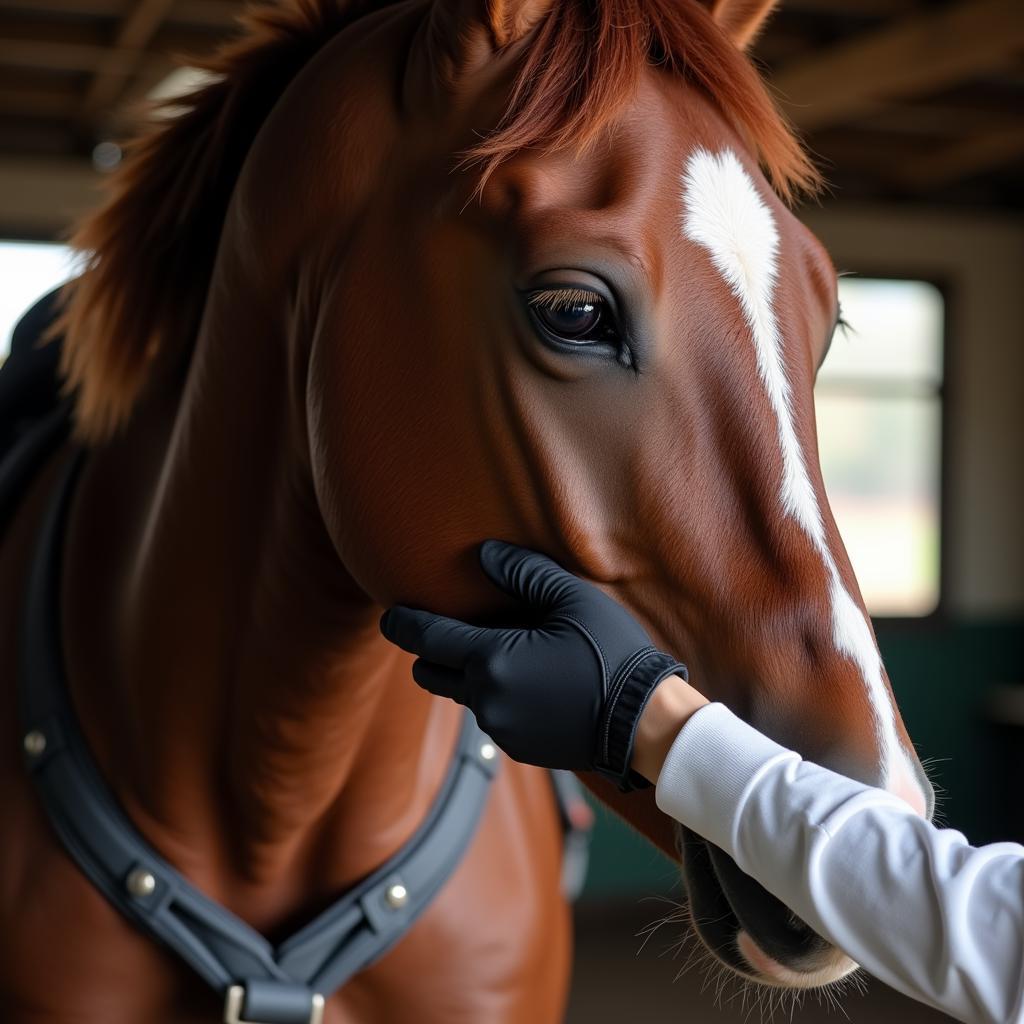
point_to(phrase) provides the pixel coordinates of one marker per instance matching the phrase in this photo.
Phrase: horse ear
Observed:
(741, 20)
(463, 37)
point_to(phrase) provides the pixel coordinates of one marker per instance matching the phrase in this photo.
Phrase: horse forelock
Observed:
(585, 60)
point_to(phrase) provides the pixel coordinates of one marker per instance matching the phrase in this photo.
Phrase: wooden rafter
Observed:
(963, 159)
(83, 51)
(135, 31)
(41, 27)
(948, 119)
(921, 53)
(879, 8)
(222, 14)
(102, 8)
(58, 56)
(94, 32)
(44, 104)
(899, 97)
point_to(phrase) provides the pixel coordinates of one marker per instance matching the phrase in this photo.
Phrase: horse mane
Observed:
(149, 249)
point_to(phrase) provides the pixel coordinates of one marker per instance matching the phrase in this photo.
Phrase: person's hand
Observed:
(565, 693)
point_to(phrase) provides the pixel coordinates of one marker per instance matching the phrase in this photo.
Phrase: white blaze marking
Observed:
(725, 214)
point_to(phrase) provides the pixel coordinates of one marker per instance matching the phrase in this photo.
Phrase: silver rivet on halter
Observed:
(488, 751)
(140, 883)
(34, 743)
(397, 895)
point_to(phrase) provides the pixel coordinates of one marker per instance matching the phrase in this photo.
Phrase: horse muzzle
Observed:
(749, 930)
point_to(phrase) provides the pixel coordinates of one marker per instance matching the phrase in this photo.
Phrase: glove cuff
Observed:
(627, 698)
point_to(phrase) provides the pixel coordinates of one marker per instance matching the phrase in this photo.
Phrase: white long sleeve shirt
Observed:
(915, 905)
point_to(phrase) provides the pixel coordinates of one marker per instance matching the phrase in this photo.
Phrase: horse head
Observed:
(543, 284)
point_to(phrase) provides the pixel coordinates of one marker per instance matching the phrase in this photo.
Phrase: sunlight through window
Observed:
(879, 409)
(28, 271)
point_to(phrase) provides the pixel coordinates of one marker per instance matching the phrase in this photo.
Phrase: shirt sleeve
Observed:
(915, 905)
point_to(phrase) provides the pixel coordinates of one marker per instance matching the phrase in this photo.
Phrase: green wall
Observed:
(943, 676)
(942, 673)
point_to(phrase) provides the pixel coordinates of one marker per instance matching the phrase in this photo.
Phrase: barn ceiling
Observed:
(900, 99)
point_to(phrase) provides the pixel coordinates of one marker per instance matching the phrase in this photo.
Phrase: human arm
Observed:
(915, 905)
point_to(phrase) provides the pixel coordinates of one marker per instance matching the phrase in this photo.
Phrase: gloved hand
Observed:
(565, 693)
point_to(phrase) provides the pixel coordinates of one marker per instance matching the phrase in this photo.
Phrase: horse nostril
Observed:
(775, 929)
(831, 965)
(749, 930)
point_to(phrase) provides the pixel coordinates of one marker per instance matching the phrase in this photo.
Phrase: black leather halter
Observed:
(261, 983)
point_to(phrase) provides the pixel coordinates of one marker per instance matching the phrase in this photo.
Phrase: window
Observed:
(28, 271)
(879, 409)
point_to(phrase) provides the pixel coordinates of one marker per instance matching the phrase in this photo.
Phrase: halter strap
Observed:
(261, 983)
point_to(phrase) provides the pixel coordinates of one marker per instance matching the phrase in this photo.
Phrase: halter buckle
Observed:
(235, 1000)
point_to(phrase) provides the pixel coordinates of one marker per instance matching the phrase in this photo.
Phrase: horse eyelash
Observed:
(844, 325)
(564, 298)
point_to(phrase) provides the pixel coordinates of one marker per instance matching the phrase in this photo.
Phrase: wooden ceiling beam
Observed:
(41, 29)
(135, 32)
(44, 32)
(23, 53)
(963, 159)
(942, 120)
(918, 54)
(44, 104)
(96, 8)
(856, 8)
(64, 55)
(219, 14)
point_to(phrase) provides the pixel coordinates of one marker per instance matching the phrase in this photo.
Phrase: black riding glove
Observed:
(565, 693)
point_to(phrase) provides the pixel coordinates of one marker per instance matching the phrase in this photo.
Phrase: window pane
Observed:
(895, 332)
(880, 457)
(28, 270)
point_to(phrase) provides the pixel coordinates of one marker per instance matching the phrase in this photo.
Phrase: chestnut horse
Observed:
(400, 277)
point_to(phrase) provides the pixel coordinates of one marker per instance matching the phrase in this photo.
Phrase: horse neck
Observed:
(258, 712)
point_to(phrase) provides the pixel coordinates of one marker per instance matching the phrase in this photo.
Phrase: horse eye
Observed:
(575, 316)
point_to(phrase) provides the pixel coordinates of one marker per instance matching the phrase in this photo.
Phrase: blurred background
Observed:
(915, 110)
